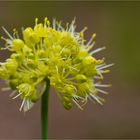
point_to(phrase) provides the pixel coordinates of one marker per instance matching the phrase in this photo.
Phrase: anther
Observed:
(45, 21)
(94, 35)
(3, 38)
(36, 21)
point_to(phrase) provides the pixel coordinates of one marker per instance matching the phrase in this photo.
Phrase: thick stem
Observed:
(44, 112)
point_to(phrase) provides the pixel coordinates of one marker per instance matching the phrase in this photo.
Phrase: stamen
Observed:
(67, 26)
(100, 85)
(54, 23)
(86, 98)
(78, 97)
(94, 35)
(7, 33)
(77, 105)
(36, 21)
(81, 35)
(17, 95)
(57, 69)
(96, 98)
(28, 104)
(97, 77)
(101, 65)
(92, 38)
(75, 99)
(100, 74)
(63, 71)
(22, 104)
(73, 68)
(71, 29)
(6, 89)
(83, 30)
(59, 27)
(97, 50)
(45, 59)
(90, 46)
(61, 51)
(3, 38)
(91, 99)
(106, 66)
(102, 91)
(28, 92)
(15, 34)
(104, 71)
(45, 21)
(13, 93)
(84, 102)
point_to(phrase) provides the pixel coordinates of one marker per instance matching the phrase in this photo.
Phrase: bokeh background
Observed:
(117, 25)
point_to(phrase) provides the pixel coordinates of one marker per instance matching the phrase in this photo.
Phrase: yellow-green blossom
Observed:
(55, 53)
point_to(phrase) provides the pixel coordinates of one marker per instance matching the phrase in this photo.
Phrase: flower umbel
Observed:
(58, 54)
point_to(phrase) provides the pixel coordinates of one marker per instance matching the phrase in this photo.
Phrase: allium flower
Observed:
(55, 53)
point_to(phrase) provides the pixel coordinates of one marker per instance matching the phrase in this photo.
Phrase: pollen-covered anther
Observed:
(36, 21)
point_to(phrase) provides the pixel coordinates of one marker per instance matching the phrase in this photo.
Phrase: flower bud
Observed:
(13, 83)
(40, 30)
(84, 89)
(89, 60)
(34, 97)
(26, 33)
(69, 89)
(30, 36)
(28, 91)
(31, 55)
(27, 50)
(41, 53)
(89, 66)
(17, 45)
(11, 65)
(67, 106)
(3, 73)
(81, 78)
(34, 38)
(16, 56)
(67, 102)
(81, 55)
(31, 63)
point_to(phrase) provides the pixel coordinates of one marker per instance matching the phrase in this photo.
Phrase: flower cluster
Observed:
(55, 53)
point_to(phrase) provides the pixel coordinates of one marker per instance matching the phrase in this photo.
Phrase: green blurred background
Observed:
(117, 25)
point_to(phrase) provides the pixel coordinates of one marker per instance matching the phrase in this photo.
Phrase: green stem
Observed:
(44, 112)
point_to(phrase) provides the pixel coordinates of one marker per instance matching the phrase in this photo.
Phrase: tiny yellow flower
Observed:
(58, 54)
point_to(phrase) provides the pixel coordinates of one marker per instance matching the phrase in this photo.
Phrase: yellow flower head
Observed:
(58, 54)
